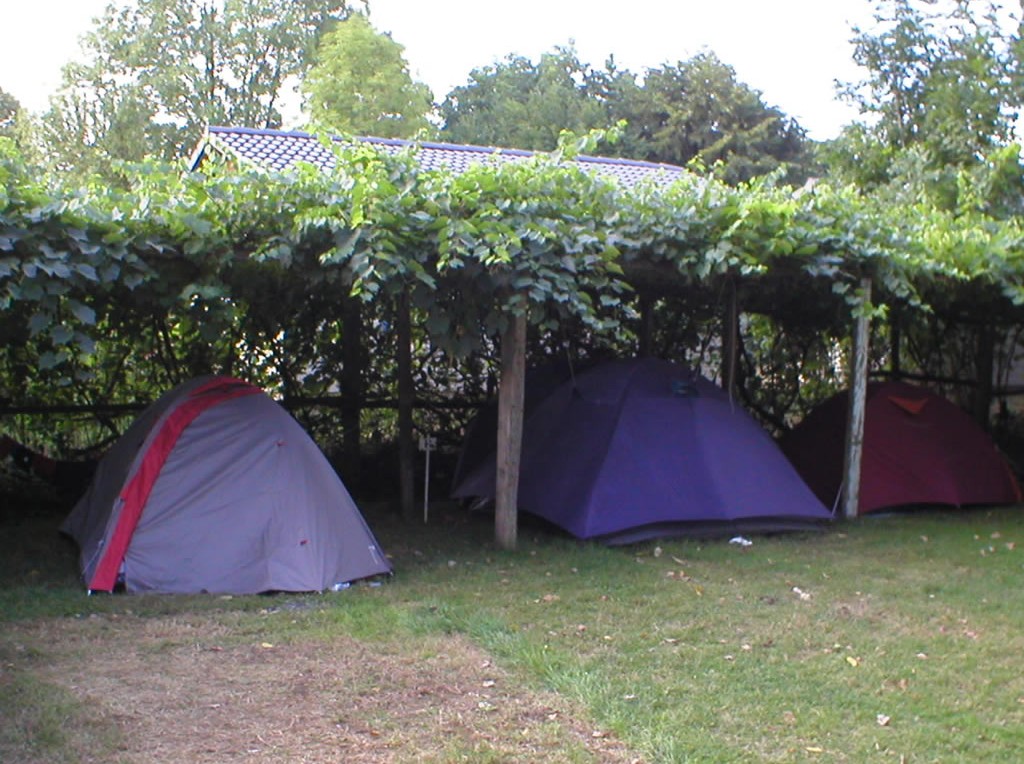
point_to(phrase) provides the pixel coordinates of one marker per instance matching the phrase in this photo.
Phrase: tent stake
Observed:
(854, 446)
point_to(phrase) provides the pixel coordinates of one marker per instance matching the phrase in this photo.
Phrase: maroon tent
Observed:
(919, 448)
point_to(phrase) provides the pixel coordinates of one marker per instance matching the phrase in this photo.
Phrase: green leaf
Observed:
(87, 270)
(83, 313)
(37, 323)
(437, 324)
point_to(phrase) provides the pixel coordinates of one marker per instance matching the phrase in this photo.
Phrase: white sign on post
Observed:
(427, 444)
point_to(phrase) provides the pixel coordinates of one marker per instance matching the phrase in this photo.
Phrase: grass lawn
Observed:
(892, 639)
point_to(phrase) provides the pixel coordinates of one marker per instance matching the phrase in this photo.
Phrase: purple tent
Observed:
(216, 488)
(636, 449)
(482, 431)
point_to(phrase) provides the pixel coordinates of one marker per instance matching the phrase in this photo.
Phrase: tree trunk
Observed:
(510, 431)
(984, 369)
(351, 391)
(646, 325)
(854, 446)
(406, 399)
(730, 340)
(895, 344)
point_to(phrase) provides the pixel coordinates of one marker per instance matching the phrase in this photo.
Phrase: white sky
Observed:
(790, 50)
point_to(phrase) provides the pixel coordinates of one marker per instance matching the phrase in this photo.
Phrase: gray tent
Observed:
(216, 488)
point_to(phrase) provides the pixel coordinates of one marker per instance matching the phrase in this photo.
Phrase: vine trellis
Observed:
(107, 292)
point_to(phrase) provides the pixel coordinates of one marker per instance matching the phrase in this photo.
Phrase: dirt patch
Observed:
(191, 690)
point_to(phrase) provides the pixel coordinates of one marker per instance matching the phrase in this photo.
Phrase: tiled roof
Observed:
(279, 150)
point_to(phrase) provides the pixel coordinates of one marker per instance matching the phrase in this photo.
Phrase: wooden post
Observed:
(510, 431)
(730, 339)
(406, 398)
(854, 446)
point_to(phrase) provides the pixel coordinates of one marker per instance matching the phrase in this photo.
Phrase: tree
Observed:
(519, 104)
(360, 84)
(941, 92)
(9, 108)
(156, 73)
(696, 110)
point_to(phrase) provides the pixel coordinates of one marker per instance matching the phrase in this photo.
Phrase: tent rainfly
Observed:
(919, 449)
(216, 488)
(636, 449)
